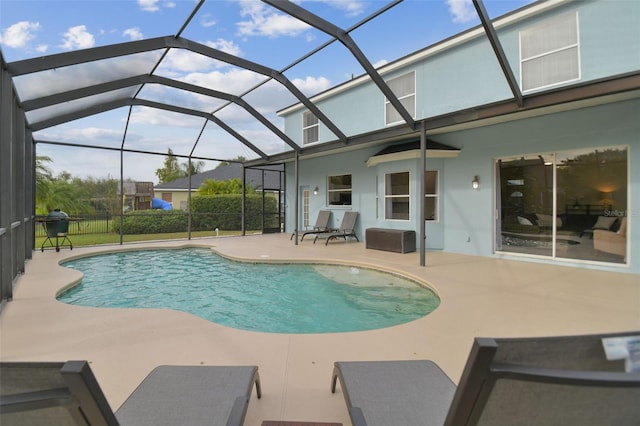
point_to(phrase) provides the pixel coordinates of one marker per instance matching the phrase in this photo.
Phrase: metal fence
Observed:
(80, 224)
(154, 222)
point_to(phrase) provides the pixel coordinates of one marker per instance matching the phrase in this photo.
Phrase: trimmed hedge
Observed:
(225, 212)
(152, 222)
(208, 213)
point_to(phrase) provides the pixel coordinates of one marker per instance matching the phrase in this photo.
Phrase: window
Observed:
(339, 190)
(309, 128)
(549, 53)
(551, 204)
(404, 87)
(305, 208)
(396, 196)
(431, 195)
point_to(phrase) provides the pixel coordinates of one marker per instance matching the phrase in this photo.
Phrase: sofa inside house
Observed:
(531, 223)
(611, 240)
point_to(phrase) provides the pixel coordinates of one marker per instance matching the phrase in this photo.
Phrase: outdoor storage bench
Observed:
(396, 240)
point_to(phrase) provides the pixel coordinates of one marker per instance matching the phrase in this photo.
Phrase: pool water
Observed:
(278, 298)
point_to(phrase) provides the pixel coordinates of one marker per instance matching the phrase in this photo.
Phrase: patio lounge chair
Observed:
(321, 226)
(536, 381)
(347, 229)
(67, 393)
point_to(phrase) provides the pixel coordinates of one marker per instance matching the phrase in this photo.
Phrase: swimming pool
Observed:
(266, 297)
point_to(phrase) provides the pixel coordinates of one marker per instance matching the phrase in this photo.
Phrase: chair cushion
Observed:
(623, 227)
(605, 222)
(524, 221)
(547, 220)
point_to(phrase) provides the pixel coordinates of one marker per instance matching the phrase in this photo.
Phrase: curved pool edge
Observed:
(309, 261)
(110, 250)
(247, 259)
(263, 260)
(295, 369)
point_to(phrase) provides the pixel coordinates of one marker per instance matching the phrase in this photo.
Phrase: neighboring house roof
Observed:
(231, 171)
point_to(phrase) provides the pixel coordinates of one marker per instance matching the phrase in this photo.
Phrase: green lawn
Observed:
(101, 231)
(113, 238)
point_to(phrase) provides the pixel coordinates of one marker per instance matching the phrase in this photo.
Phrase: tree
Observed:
(221, 187)
(239, 159)
(44, 177)
(73, 195)
(196, 167)
(171, 170)
(65, 193)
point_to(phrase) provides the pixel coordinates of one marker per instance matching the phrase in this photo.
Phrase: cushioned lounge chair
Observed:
(347, 229)
(67, 393)
(321, 226)
(543, 381)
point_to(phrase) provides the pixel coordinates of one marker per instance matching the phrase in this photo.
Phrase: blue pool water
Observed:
(290, 298)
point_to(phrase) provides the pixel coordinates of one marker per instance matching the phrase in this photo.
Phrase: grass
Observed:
(96, 232)
(113, 238)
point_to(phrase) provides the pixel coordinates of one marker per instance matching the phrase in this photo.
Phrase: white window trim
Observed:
(388, 104)
(386, 197)
(436, 196)
(306, 195)
(305, 128)
(571, 46)
(329, 191)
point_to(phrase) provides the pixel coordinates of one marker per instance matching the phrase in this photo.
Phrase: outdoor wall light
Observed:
(315, 191)
(475, 183)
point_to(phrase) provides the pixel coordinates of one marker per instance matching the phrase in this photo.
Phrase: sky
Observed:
(248, 29)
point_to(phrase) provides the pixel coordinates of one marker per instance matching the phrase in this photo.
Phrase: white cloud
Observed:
(77, 38)
(133, 33)
(312, 85)
(96, 133)
(234, 81)
(264, 21)
(149, 5)
(19, 34)
(226, 46)
(352, 7)
(71, 133)
(181, 60)
(42, 48)
(462, 10)
(166, 119)
(208, 21)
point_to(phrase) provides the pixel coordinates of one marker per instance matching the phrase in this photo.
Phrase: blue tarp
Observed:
(157, 203)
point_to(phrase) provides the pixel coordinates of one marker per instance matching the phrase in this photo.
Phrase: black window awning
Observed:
(411, 150)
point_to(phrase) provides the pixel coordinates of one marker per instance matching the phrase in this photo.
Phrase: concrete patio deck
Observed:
(480, 297)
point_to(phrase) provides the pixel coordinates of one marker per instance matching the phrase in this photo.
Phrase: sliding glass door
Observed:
(570, 204)
(526, 204)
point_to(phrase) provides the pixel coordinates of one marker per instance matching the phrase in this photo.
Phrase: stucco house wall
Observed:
(462, 74)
